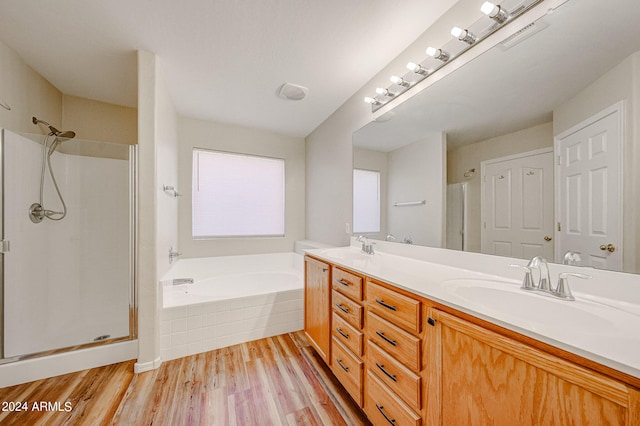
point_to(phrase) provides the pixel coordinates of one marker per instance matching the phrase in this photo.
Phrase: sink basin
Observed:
(506, 301)
(347, 254)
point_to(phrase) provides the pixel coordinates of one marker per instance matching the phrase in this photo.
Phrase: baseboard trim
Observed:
(141, 367)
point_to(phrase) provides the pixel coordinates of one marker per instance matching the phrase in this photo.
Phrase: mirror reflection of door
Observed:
(589, 190)
(517, 205)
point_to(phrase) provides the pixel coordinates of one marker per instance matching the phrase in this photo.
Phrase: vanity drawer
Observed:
(348, 369)
(398, 343)
(397, 308)
(404, 382)
(347, 309)
(347, 334)
(347, 283)
(384, 408)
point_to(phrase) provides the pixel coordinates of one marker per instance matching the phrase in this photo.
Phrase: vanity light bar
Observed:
(495, 12)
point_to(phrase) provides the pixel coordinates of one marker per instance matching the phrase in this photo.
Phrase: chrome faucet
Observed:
(366, 246)
(571, 258)
(390, 237)
(561, 291)
(544, 281)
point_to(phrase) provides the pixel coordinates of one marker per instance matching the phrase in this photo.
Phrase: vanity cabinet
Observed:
(407, 360)
(478, 376)
(317, 299)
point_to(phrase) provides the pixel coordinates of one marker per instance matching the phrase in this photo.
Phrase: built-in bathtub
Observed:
(233, 299)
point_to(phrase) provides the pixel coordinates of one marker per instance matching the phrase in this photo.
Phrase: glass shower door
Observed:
(67, 279)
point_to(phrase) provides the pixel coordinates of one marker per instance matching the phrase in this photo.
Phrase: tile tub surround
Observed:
(192, 329)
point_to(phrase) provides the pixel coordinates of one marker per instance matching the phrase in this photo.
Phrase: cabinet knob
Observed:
(547, 238)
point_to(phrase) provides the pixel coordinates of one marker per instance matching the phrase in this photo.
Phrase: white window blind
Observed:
(366, 201)
(236, 195)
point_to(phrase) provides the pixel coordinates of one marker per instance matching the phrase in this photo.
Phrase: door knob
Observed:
(547, 238)
(609, 247)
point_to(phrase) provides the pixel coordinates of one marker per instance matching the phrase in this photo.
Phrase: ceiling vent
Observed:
(292, 92)
(523, 34)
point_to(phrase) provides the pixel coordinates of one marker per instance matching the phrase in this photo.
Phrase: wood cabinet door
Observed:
(479, 377)
(317, 301)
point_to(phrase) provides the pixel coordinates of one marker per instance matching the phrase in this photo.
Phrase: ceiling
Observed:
(221, 60)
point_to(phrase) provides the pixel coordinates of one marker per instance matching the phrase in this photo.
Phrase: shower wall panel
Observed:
(66, 282)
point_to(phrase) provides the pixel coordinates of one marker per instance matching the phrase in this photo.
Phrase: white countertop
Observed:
(603, 326)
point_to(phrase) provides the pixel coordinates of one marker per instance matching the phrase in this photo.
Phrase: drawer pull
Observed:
(342, 365)
(381, 409)
(344, 282)
(381, 334)
(389, 375)
(342, 308)
(342, 333)
(386, 305)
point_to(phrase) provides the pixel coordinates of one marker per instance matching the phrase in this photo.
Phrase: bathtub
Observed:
(233, 299)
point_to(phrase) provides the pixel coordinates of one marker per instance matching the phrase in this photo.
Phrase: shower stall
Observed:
(67, 271)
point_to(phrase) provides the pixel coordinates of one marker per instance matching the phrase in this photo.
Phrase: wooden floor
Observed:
(274, 381)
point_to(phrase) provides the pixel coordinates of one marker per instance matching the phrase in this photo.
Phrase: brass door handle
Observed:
(609, 247)
(547, 238)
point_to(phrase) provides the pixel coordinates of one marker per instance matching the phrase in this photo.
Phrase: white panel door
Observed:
(517, 205)
(589, 190)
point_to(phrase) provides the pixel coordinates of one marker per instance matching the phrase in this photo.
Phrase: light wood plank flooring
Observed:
(274, 381)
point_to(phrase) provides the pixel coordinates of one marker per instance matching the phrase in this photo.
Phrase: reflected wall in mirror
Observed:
(525, 96)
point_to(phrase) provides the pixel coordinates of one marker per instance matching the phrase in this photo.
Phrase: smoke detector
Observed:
(292, 92)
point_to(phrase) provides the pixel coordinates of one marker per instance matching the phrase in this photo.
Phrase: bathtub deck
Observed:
(278, 380)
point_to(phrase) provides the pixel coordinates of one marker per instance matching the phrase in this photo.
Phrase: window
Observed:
(366, 201)
(236, 195)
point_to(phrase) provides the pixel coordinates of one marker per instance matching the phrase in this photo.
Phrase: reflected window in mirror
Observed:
(366, 201)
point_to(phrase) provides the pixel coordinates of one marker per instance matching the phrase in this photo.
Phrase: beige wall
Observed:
(99, 121)
(622, 83)
(28, 94)
(194, 133)
(470, 157)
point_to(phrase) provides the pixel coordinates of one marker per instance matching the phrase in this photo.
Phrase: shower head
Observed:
(53, 131)
(60, 136)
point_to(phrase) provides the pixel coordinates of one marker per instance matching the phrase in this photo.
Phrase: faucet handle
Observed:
(562, 290)
(527, 281)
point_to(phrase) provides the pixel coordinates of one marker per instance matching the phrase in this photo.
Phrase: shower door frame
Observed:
(133, 262)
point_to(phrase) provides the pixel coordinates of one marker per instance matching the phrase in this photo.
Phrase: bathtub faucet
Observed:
(180, 281)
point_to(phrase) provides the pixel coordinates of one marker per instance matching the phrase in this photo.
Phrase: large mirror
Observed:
(529, 149)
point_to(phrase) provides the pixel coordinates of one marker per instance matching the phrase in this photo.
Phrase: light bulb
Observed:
(370, 100)
(384, 92)
(417, 68)
(396, 80)
(488, 8)
(463, 35)
(494, 12)
(438, 54)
